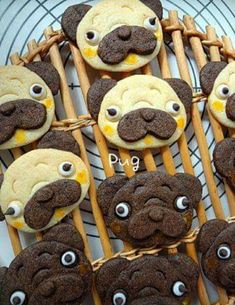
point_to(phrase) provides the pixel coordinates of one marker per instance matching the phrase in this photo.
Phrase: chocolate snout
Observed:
(227, 274)
(136, 124)
(116, 45)
(155, 300)
(24, 114)
(230, 107)
(156, 218)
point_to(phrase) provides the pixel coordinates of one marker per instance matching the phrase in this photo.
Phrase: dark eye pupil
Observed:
(67, 167)
(37, 89)
(112, 111)
(225, 90)
(176, 107)
(68, 258)
(152, 21)
(16, 301)
(90, 35)
(120, 210)
(223, 253)
(119, 301)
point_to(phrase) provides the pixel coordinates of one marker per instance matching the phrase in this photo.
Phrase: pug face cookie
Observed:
(149, 280)
(26, 102)
(116, 35)
(140, 111)
(218, 82)
(41, 187)
(149, 209)
(216, 242)
(53, 271)
(224, 156)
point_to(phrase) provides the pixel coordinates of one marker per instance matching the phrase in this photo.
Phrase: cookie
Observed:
(116, 35)
(218, 82)
(224, 156)
(52, 271)
(140, 111)
(41, 187)
(149, 280)
(26, 102)
(216, 242)
(149, 209)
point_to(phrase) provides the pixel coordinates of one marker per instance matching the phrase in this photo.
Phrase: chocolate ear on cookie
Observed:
(156, 6)
(96, 94)
(208, 75)
(61, 140)
(184, 92)
(71, 19)
(48, 73)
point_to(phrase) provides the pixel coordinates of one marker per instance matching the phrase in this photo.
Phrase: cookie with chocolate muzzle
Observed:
(224, 160)
(53, 271)
(126, 41)
(216, 242)
(149, 280)
(26, 102)
(149, 209)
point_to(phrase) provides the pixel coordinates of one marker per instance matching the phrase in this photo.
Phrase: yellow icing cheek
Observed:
(186, 302)
(218, 106)
(108, 130)
(48, 103)
(131, 59)
(158, 35)
(20, 136)
(90, 52)
(180, 123)
(18, 225)
(59, 213)
(82, 177)
(148, 140)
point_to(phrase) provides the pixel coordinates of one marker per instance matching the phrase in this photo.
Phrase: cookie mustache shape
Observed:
(216, 242)
(44, 185)
(224, 156)
(140, 111)
(53, 271)
(149, 209)
(149, 280)
(116, 35)
(218, 82)
(26, 102)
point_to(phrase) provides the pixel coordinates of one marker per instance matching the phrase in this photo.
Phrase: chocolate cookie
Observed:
(216, 242)
(140, 111)
(224, 160)
(149, 280)
(113, 45)
(26, 102)
(149, 209)
(218, 82)
(53, 271)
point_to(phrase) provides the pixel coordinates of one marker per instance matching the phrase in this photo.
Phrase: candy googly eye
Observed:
(223, 91)
(14, 210)
(66, 169)
(18, 298)
(224, 252)
(119, 298)
(182, 203)
(113, 113)
(37, 91)
(122, 210)
(69, 259)
(173, 107)
(92, 37)
(179, 289)
(151, 23)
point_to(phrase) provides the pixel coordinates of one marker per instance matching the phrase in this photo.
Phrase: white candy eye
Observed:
(223, 91)
(179, 289)
(151, 23)
(182, 203)
(14, 210)
(66, 169)
(18, 298)
(122, 210)
(69, 259)
(119, 298)
(92, 37)
(224, 252)
(172, 107)
(37, 91)
(113, 113)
